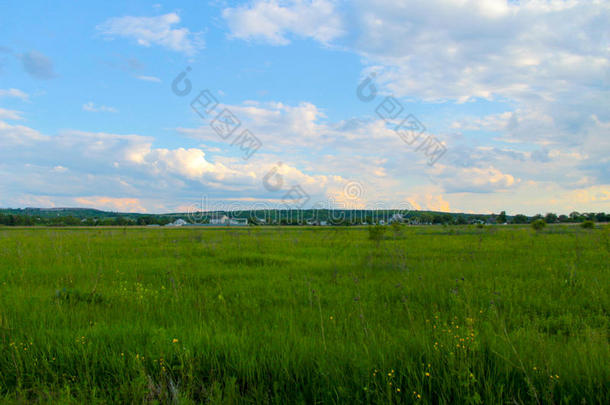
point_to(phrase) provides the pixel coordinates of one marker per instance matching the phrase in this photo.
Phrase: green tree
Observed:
(538, 224)
(501, 219)
(520, 219)
(550, 218)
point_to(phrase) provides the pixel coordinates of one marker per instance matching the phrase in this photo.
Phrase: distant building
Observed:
(238, 221)
(219, 220)
(315, 222)
(226, 221)
(178, 222)
(397, 218)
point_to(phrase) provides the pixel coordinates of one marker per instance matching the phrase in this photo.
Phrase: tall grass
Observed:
(305, 315)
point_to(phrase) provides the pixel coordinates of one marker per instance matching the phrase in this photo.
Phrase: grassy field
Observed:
(295, 315)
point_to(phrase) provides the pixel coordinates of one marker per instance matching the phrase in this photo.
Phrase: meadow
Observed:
(430, 314)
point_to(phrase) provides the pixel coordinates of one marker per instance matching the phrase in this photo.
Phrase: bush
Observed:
(376, 232)
(588, 224)
(397, 229)
(538, 224)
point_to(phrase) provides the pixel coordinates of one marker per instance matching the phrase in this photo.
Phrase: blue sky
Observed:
(513, 96)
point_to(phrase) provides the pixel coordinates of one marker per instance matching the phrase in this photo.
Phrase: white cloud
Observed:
(10, 114)
(14, 93)
(272, 21)
(111, 203)
(160, 30)
(60, 169)
(475, 179)
(11, 135)
(149, 79)
(91, 107)
(548, 58)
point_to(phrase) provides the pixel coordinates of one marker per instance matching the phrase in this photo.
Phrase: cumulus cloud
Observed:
(547, 61)
(162, 30)
(37, 65)
(120, 166)
(476, 180)
(273, 21)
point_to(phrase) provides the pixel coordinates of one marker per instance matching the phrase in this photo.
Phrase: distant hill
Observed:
(73, 216)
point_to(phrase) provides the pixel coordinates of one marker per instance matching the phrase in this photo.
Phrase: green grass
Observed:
(296, 315)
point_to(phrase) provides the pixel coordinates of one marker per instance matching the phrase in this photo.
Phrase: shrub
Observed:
(75, 296)
(538, 224)
(376, 232)
(396, 228)
(588, 224)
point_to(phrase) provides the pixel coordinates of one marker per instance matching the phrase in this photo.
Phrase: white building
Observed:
(219, 220)
(224, 220)
(396, 218)
(178, 222)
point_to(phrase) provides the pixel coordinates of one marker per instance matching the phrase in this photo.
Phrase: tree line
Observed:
(307, 217)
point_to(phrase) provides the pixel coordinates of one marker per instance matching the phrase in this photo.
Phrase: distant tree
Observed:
(588, 224)
(563, 218)
(538, 224)
(71, 221)
(600, 217)
(460, 220)
(120, 221)
(550, 218)
(575, 216)
(501, 219)
(426, 218)
(520, 219)
(448, 219)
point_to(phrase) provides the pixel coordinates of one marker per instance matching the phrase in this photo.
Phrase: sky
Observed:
(448, 105)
